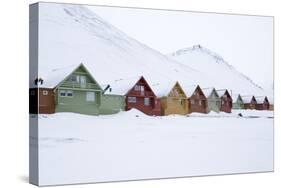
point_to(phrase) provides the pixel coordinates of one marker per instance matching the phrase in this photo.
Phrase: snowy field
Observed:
(77, 148)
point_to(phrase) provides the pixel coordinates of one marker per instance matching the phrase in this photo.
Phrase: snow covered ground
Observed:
(76, 148)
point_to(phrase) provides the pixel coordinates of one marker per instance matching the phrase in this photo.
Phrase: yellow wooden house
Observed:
(176, 102)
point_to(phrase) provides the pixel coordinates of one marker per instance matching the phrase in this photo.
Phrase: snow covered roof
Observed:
(221, 92)
(161, 90)
(236, 96)
(53, 77)
(208, 91)
(122, 86)
(189, 89)
(247, 99)
(270, 100)
(260, 99)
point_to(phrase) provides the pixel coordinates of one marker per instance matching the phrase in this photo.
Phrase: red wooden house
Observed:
(226, 100)
(262, 103)
(196, 98)
(250, 102)
(141, 97)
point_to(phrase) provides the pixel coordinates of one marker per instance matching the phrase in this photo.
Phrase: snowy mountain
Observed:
(218, 70)
(72, 34)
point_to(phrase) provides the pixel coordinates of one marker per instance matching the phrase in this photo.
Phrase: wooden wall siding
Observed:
(197, 101)
(238, 104)
(111, 104)
(136, 97)
(263, 106)
(271, 107)
(251, 105)
(175, 103)
(213, 102)
(42, 101)
(171, 105)
(78, 103)
(226, 103)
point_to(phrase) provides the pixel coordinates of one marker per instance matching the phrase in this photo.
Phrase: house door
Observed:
(83, 81)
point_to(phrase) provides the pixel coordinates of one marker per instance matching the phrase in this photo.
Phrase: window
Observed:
(132, 99)
(66, 93)
(146, 101)
(192, 101)
(182, 102)
(45, 92)
(83, 81)
(222, 102)
(90, 96)
(62, 93)
(69, 93)
(200, 103)
(137, 87)
(74, 78)
(175, 92)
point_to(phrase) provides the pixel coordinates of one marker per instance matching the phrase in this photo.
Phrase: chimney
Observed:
(106, 88)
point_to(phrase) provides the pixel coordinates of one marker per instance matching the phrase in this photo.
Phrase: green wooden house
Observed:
(213, 99)
(75, 90)
(238, 103)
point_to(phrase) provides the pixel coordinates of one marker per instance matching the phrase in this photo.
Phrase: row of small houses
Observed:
(77, 91)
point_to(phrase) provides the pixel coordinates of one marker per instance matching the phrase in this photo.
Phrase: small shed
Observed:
(175, 102)
(226, 100)
(238, 102)
(213, 99)
(262, 103)
(41, 100)
(250, 102)
(196, 99)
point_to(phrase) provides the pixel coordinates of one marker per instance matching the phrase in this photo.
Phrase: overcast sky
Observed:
(246, 42)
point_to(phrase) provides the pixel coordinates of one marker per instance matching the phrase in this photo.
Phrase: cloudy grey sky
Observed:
(246, 42)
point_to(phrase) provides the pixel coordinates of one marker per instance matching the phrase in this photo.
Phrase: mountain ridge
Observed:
(71, 34)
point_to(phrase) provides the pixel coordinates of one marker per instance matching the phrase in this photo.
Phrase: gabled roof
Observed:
(52, 78)
(208, 91)
(146, 83)
(261, 99)
(178, 86)
(270, 100)
(237, 97)
(122, 86)
(190, 89)
(55, 77)
(221, 92)
(248, 99)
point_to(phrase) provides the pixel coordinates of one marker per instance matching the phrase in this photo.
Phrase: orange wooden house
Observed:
(176, 101)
